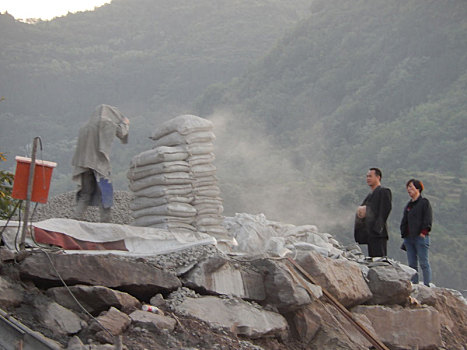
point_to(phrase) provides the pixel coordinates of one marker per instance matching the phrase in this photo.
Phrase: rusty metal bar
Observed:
(32, 169)
(379, 345)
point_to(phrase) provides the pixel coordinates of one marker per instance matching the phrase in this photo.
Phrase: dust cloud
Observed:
(257, 176)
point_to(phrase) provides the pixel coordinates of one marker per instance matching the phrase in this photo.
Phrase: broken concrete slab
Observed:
(94, 299)
(341, 278)
(109, 325)
(321, 326)
(283, 291)
(150, 320)
(423, 294)
(453, 317)
(60, 320)
(10, 295)
(389, 284)
(6, 255)
(235, 315)
(404, 328)
(218, 275)
(137, 278)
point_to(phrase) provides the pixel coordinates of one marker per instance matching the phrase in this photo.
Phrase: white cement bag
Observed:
(147, 221)
(179, 178)
(203, 170)
(251, 231)
(214, 229)
(183, 124)
(146, 202)
(170, 226)
(159, 154)
(207, 191)
(201, 159)
(212, 201)
(171, 209)
(208, 220)
(175, 138)
(140, 172)
(170, 190)
(210, 180)
(221, 235)
(172, 139)
(209, 210)
(200, 136)
(200, 148)
(276, 247)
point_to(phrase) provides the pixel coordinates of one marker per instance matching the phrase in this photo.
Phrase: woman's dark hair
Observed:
(416, 183)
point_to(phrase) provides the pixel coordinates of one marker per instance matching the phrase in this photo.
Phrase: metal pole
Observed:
(32, 169)
(377, 344)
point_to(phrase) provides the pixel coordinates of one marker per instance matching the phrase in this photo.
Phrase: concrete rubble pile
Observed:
(207, 299)
(174, 184)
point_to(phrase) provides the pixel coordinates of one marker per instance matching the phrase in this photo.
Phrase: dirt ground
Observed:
(191, 333)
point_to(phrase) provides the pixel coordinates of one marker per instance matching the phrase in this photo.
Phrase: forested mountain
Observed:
(151, 58)
(359, 84)
(148, 53)
(304, 100)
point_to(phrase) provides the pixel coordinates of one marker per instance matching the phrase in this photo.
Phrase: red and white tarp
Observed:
(87, 237)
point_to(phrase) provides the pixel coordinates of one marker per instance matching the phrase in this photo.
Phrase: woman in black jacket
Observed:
(415, 227)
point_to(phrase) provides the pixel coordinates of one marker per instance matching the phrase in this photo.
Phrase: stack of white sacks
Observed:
(174, 184)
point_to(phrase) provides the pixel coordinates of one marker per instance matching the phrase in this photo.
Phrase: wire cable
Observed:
(72, 295)
(44, 250)
(9, 218)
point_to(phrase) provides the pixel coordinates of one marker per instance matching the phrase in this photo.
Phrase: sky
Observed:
(47, 9)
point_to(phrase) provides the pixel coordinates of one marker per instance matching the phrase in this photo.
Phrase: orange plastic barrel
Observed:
(41, 181)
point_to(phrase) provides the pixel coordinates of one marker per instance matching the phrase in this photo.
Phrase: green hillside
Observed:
(151, 58)
(358, 84)
(305, 97)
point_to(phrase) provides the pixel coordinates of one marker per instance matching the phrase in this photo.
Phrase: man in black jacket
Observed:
(370, 221)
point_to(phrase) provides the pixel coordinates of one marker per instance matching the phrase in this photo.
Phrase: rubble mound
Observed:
(204, 298)
(62, 206)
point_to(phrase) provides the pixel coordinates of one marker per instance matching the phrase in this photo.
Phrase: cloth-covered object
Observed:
(91, 161)
(83, 237)
(95, 141)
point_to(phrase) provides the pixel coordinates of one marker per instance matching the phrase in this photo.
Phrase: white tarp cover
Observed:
(141, 241)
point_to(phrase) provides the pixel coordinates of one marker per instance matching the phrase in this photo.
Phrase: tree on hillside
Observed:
(7, 203)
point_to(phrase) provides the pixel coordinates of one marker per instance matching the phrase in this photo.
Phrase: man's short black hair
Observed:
(378, 172)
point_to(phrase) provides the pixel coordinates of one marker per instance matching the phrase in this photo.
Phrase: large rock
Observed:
(221, 276)
(239, 317)
(6, 255)
(453, 317)
(389, 285)
(152, 321)
(321, 326)
(10, 294)
(109, 325)
(282, 289)
(340, 277)
(424, 294)
(94, 299)
(137, 278)
(404, 328)
(58, 319)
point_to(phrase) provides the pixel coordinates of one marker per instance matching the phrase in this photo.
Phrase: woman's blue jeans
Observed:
(417, 251)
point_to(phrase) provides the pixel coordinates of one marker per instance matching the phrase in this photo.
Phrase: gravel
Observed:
(62, 206)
